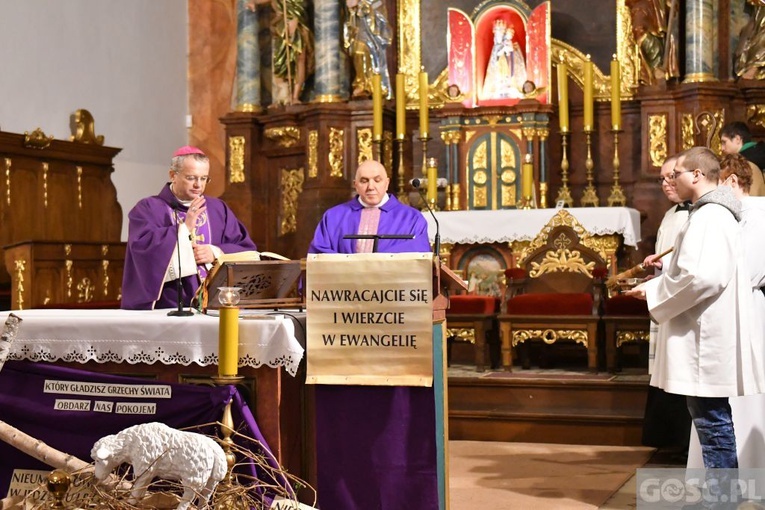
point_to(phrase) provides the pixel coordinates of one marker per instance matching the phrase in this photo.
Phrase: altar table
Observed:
(508, 225)
(150, 336)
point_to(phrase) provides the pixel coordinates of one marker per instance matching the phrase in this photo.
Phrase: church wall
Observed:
(125, 62)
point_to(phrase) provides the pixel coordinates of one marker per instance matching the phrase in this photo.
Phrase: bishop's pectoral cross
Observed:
(195, 238)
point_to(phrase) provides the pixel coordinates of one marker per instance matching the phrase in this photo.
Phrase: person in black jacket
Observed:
(736, 138)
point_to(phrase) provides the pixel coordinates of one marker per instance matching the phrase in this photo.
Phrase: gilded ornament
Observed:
(462, 334)
(479, 197)
(469, 134)
(20, 266)
(85, 128)
(710, 124)
(313, 156)
(388, 150)
(79, 186)
(625, 337)
(755, 114)
(45, 184)
(236, 158)
(364, 143)
(85, 290)
(508, 195)
(479, 177)
(69, 280)
(283, 136)
(409, 47)
(657, 139)
(37, 139)
(335, 152)
(687, 130)
(508, 176)
(480, 159)
(291, 186)
(549, 336)
(105, 267)
(508, 155)
(7, 181)
(104, 249)
(565, 261)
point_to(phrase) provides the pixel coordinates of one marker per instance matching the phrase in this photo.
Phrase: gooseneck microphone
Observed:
(179, 312)
(417, 184)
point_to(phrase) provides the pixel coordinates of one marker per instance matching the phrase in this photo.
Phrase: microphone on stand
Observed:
(180, 312)
(417, 184)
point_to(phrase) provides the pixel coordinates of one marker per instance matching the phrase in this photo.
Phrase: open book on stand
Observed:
(266, 280)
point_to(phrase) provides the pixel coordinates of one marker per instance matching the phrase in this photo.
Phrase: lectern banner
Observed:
(369, 319)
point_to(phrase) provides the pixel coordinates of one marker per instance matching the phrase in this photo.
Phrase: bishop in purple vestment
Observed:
(375, 445)
(180, 231)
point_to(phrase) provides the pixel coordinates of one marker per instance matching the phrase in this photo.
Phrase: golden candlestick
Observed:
(377, 149)
(543, 195)
(402, 195)
(228, 373)
(590, 196)
(616, 198)
(455, 197)
(564, 193)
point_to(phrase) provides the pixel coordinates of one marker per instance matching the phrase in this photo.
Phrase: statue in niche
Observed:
(654, 27)
(506, 68)
(750, 53)
(366, 37)
(293, 53)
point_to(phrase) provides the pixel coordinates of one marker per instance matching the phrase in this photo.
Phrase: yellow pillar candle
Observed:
(432, 180)
(424, 121)
(377, 107)
(616, 99)
(228, 341)
(400, 107)
(527, 177)
(563, 96)
(588, 95)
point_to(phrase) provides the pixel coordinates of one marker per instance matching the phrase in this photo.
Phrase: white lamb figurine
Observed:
(158, 451)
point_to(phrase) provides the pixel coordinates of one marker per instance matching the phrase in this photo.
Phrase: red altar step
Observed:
(552, 407)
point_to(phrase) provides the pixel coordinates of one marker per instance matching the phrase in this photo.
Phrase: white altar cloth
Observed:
(507, 225)
(150, 336)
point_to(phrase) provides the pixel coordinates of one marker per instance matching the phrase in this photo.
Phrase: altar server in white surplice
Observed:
(748, 412)
(707, 351)
(666, 422)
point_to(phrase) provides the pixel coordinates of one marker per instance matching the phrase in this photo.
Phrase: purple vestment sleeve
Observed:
(395, 219)
(152, 235)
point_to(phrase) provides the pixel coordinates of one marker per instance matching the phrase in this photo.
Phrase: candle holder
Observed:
(402, 195)
(564, 193)
(228, 374)
(590, 196)
(543, 195)
(377, 148)
(424, 141)
(455, 195)
(616, 198)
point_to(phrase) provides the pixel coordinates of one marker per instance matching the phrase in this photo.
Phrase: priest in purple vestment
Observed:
(179, 219)
(373, 211)
(375, 445)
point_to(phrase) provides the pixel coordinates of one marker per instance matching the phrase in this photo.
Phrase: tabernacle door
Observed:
(380, 440)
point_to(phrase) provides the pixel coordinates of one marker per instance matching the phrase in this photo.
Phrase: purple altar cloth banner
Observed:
(71, 409)
(376, 448)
